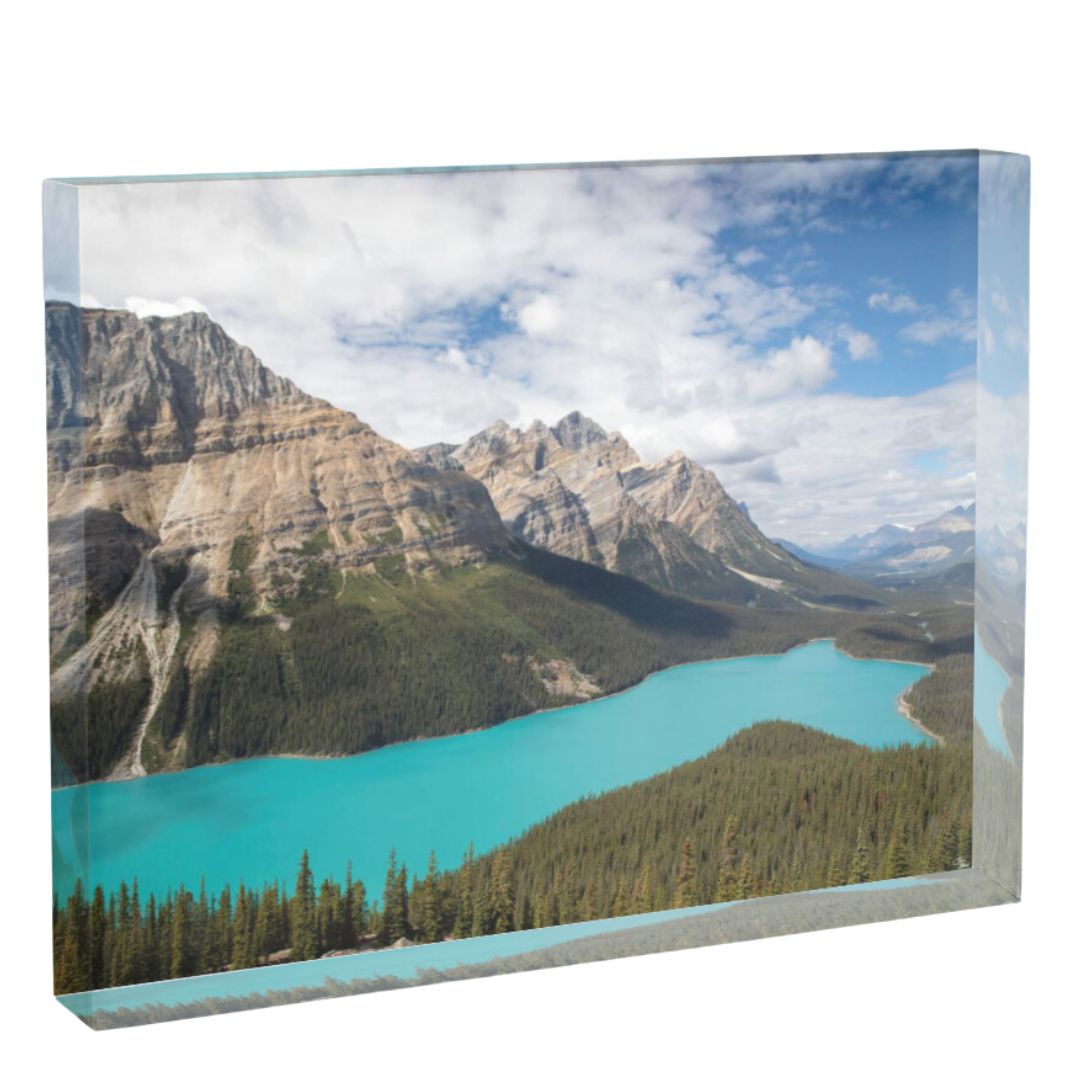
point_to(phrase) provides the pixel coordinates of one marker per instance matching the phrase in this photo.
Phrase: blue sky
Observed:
(804, 327)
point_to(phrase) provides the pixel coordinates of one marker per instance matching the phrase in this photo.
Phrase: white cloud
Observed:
(956, 320)
(849, 464)
(860, 345)
(540, 317)
(748, 256)
(144, 307)
(893, 303)
(604, 290)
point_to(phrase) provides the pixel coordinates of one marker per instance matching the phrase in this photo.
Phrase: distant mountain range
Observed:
(929, 548)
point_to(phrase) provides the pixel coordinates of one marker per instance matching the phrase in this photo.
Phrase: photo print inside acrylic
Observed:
(442, 556)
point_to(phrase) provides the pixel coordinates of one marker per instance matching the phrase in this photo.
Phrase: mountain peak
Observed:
(537, 430)
(157, 388)
(676, 457)
(575, 431)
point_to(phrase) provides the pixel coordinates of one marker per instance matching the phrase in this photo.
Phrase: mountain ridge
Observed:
(577, 490)
(930, 547)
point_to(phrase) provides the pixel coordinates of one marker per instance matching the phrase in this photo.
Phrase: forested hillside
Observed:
(368, 660)
(777, 808)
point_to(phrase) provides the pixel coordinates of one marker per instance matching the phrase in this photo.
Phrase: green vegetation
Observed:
(377, 656)
(242, 553)
(778, 808)
(391, 568)
(91, 732)
(790, 914)
(943, 702)
(409, 657)
(388, 538)
(391, 536)
(317, 544)
(130, 939)
(241, 589)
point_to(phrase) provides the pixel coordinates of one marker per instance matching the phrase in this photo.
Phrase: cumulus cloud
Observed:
(433, 304)
(860, 344)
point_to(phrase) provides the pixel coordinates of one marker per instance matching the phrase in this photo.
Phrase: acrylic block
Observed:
(467, 571)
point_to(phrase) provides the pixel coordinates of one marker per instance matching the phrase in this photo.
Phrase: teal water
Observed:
(991, 682)
(404, 963)
(249, 820)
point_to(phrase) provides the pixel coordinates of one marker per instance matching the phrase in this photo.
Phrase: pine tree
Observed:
(747, 886)
(463, 918)
(431, 927)
(350, 929)
(897, 856)
(542, 914)
(859, 871)
(502, 893)
(303, 934)
(642, 897)
(388, 899)
(241, 941)
(686, 894)
(417, 908)
(589, 902)
(837, 873)
(947, 850)
(727, 884)
(98, 930)
(620, 902)
(395, 905)
(481, 905)
(401, 903)
(360, 916)
(72, 972)
(180, 936)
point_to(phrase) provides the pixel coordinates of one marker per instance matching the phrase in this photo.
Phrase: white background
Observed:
(112, 88)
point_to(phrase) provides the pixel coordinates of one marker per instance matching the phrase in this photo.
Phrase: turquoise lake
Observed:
(991, 682)
(250, 820)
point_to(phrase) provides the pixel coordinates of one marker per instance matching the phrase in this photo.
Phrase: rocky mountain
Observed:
(576, 490)
(167, 439)
(928, 548)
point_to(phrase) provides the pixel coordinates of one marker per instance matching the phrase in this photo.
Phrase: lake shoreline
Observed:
(295, 756)
(904, 708)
